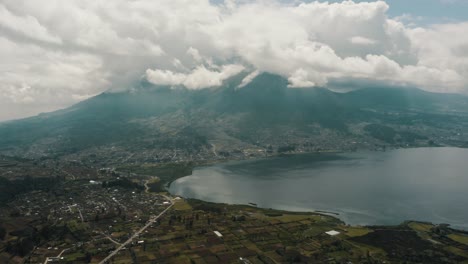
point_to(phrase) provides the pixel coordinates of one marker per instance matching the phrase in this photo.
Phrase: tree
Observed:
(2, 233)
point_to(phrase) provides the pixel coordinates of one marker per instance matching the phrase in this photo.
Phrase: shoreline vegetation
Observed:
(170, 172)
(261, 233)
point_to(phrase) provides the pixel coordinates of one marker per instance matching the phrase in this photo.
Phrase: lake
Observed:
(364, 188)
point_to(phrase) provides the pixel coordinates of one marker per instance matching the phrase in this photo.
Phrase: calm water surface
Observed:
(368, 188)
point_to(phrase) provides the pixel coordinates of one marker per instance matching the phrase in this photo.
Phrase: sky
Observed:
(56, 53)
(432, 10)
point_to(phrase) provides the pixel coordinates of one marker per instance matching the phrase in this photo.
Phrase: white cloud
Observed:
(71, 50)
(302, 78)
(247, 79)
(195, 54)
(33, 79)
(165, 77)
(443, 48)
(25, 25)
(199, 78)
(358, 40)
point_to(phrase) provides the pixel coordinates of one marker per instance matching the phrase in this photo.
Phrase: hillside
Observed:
(159, 123)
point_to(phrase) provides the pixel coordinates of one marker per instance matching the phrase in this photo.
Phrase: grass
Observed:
(198, 261)
(74, 256)
(76, 226)
(457, 251)
(181, 205)
(459, 238)
(181, 260)
(153, 180)
(148, 255)
(250, 245)
(167, 172)
(423, 229)
(355, 231)
(364, 248)
(161, 174)
(287, 218)
(118, 234)
(273, 255)
(314, 231)
(420, 227)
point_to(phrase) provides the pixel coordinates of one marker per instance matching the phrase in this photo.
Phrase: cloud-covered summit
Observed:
(55, 53)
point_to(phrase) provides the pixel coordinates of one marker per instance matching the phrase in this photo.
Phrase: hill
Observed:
(158, 123)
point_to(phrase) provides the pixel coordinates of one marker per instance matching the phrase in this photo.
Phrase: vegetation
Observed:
(355, 231)
(10, 188)
(2, 232)
(186, 233)
(167, 172)
(460, 238)
(165, 130)
(123, 183)
(283, 149)
(265, 113)
(384, 133)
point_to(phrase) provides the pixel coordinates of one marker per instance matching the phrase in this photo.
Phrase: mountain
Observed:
(154, 123)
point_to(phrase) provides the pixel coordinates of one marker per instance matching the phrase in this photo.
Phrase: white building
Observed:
(332, 233)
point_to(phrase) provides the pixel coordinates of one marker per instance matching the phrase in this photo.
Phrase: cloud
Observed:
(62, 52)
(247, 79)
(358, 40)
(34, 79)
(25, 25)
(309, 44)
(302, 78)
(195, 54)
(443, 48)
(199, 78)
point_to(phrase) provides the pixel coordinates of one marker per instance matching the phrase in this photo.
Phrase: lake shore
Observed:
(269, 167)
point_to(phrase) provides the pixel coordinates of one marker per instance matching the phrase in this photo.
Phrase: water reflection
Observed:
(426, 184)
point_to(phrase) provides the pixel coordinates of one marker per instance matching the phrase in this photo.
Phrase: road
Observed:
(146, 186)
(110, 238)
(153, 178)
(150, 222)
(81, 215)
(57, 257)
(213, 148)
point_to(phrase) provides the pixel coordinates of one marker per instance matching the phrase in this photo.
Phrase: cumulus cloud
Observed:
(61, 51)
(311, 43)
(199, 78)
(302, 78)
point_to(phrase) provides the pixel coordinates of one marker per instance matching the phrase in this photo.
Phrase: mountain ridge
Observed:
(264, 115)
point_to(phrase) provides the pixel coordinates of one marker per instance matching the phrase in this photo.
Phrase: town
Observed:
(118, 216)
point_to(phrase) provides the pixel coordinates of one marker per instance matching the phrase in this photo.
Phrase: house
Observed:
(332, 233)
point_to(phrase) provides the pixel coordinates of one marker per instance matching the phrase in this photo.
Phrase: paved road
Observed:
(58, 256)
(150, 222)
